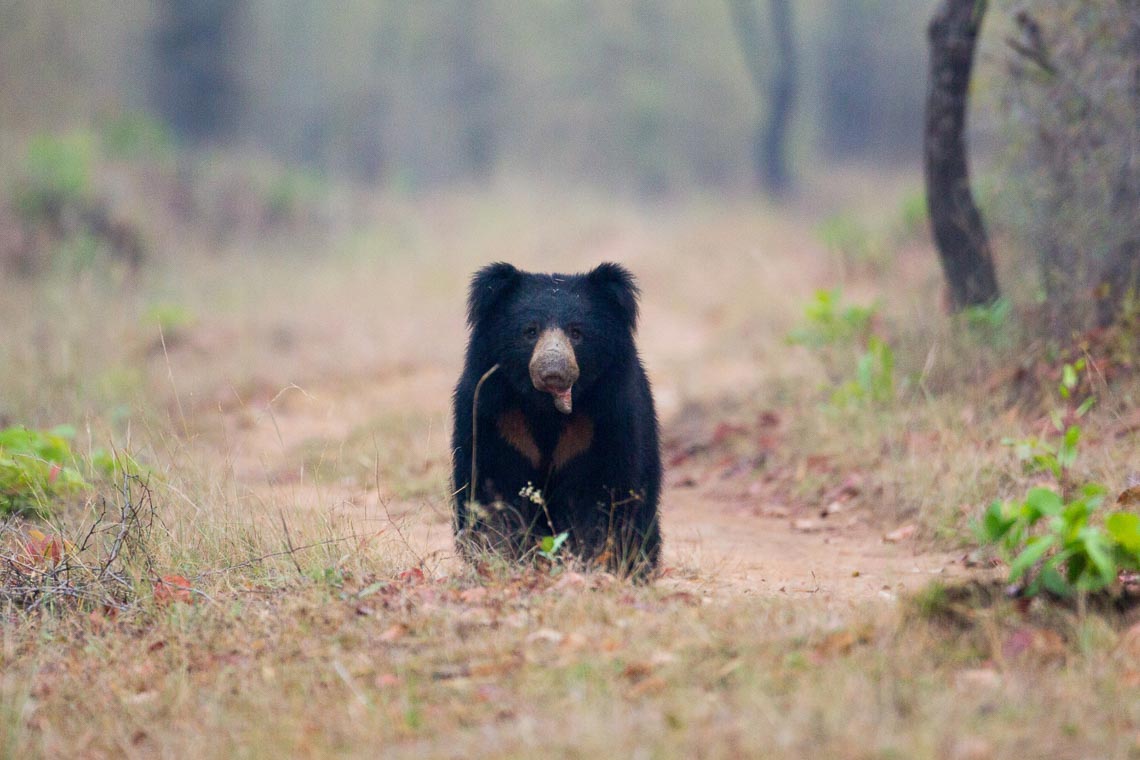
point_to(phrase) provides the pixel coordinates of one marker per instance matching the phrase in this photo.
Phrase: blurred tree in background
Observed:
(643, 97)
(198, 49)
(870, 52)
(777, 91)
(1072, 109)
(963, 245)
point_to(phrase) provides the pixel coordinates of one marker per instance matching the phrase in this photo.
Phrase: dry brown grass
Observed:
(297, 430)
(522, 666)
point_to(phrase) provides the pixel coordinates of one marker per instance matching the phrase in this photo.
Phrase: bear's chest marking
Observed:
(574, 440)
(514, 430)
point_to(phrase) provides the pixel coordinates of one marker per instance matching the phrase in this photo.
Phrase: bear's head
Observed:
(553, 335)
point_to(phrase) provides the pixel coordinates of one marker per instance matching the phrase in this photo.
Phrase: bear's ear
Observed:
(489, 285)
(617, 284)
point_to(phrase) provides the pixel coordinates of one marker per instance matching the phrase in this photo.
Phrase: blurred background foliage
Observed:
(243, 113)
(637, 96)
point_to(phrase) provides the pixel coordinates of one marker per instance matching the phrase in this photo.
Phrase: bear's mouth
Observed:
(563, 401)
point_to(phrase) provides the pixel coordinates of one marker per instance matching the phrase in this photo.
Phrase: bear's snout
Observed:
(554, 368)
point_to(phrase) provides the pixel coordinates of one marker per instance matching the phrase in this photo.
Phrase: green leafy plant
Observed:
(829, 321)
(843, 335)
(992, 317)
(549, 545)
(1048, 538)
(874, 376)
(913, 216)
(36, 467)
(851, 241)
(171, 318)
(289, 193)
(114, 465)
(56, 174)
(134, 135)
(1050, 544)
(1041, 455)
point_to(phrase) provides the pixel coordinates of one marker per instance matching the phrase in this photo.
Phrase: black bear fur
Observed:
(597, 468)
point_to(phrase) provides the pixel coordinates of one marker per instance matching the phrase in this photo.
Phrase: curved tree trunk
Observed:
(772, 161)
(769, 147)
(1119, 288)
(197, 84)
(957, 226)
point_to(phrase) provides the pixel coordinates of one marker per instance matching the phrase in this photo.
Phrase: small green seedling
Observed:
(874, 376)
(830, 322)
(1039, 455)
(549, 545)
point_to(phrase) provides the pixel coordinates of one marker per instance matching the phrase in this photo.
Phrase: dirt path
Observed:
(716, 541)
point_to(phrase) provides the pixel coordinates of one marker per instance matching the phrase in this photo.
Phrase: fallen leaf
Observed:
(394, 633)
(650, 685)
(172, 588)
(1040, 643)
(574, 642)
(833, 508)
(972, 679)
(1129, 498)
(42, 549)
(413, 575)
(726, 430)
(637, 671)
(387, 680)
(901, 533)
(544, 636)
(768, 418)
(836, 643)
(730, 667)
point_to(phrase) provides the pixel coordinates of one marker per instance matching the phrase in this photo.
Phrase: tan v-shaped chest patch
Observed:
(514, 430)
(574, 441)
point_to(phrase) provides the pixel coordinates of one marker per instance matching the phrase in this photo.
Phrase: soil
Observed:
(719, 538)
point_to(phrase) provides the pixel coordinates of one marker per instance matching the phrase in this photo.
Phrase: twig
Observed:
(289, 544)
(384, 503)
(475, 430)
(270, 555)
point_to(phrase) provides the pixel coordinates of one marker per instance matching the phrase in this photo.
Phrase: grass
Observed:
(292, 414)
(525, 665)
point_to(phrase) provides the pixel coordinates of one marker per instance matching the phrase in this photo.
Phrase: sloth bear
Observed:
(554, 421)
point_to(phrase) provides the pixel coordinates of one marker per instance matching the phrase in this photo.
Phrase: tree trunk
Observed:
(769, 150)
(773, 165)
(196, 86)
(957, 226)
(1119, 287)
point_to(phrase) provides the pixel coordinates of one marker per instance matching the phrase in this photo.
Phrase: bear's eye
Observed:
(575, 334)
(531, 332)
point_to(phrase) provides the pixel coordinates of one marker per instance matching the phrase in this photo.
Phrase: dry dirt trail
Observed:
(718, 540)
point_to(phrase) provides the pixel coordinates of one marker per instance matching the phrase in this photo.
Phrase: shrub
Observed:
(36, 468)
(56, 175)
